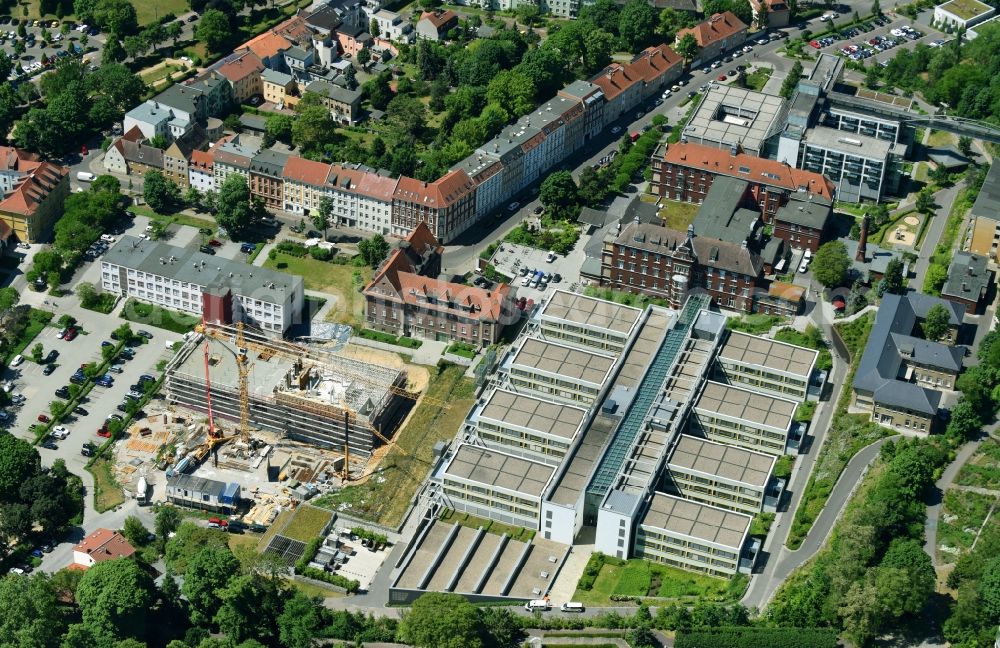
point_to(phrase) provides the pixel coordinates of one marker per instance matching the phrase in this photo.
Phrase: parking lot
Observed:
(521, 262)
(35, 47)
(877, 39)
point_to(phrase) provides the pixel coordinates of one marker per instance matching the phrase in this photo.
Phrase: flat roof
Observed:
(720, 460)
(424, 555)
(770, 354)
(966, 9)
(590, 311)
(564, 361)
(871, 148)
(697, 521)
(499, 470)
(532, 413)
(728, 116)
(747, 405)
(538, 569)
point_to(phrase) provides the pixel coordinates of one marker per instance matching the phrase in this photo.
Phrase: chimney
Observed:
(862, 240)
(965, 287)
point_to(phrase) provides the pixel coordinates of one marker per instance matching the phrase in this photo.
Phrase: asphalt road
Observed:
(944, 199)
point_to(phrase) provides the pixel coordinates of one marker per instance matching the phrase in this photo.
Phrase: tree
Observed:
(512, 90)
(299, 622)
(173, 31)
(279, 127)
(207, 574)
(250, 608)
(925, 201)
(873, 74)
(374, 250)
(893, 281)
(687, 47)
(636, 24)
(36, 352)
(965, 422)
(439, 620)
(235, 213)
(135, 531)
(214, 29)
(935, 325)
(877, 8)
(29, 612)
(989, 590)
(791, 82)
(965, 145)
(378, 92)
(374, 29)
(559, 193)
(159, 192)
(593, 189)
(364, 56)
(324, 215)
(116, 17)
(18, 462)
(115, 598)
(831, 263)
(314, 128)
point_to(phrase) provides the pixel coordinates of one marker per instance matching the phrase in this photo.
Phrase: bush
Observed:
(350, 585)
(320, 254)
(754, 636)
(308, 554)
(364, 533)
(291, 248)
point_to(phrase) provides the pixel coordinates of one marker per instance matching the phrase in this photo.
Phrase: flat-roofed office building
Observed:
(495, 485)
(584, 321)
(742, 417)
(558, 371)
(527, 426)
(693, 536)
(766, 365)
(721, 475)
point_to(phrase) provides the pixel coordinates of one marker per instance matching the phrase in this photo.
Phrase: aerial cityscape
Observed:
(499, 324)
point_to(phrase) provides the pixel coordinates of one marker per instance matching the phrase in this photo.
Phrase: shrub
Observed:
(320, 254)
(350, 585)
(291, 248)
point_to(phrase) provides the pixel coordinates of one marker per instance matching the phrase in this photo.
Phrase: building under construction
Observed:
(309, 395)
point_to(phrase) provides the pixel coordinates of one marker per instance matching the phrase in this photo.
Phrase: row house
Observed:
(344, 105)
(243, 71)
(232, 155)
(446, 205)
(305, 185)
(278, 87)
(657, 67)
(667, 264)
(375, 196)
(404, 298)
(486, 172)
(201, 175)
(622, 90)
(718, 34)
(177, 156)
(129, 155)
(266, 177)
(685, 171)
(592, 99)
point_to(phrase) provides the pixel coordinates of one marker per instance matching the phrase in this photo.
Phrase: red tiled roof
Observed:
(376, 186)
(344, 178)
(202, 160)
(653, 62)
(468, 301)
(614, 80)
(267, 44)
(33, 188)
(716, 28)
(105, 544)
(306, 171)
(723, 162)
(242, 66)
(441, 193)
(439, 18)
(15, 159)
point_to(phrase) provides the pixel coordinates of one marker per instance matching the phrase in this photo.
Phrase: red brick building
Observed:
(664, 263)
(405, 297)
(718, 34)
(447, 205)
(684, 171)
(803, 221)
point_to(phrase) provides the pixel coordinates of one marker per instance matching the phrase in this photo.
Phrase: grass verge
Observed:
(385, 497)
(306, 523)
(517, 533)
(962, 516)
(107, 491)
(173, 219)
(37, 320)
(983, 469)
(389, 338)
(758, 79)
(342, 281)
(143, 313)
(642, 578)
(754, 324)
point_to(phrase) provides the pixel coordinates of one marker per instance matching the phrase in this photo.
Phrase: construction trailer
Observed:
(321, 398)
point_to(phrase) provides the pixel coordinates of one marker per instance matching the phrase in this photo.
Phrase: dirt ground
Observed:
(416, 376)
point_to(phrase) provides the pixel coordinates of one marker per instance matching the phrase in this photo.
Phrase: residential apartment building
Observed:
(663, 263)
(343, 104)
(776, 13)
(720, 475)
(435, 25)
(494, 485)
(304, 184)
(900, 376)
(557, 371)
(716, 36)
(804, 221)
(526, 426)
(744, 417)
(177, 110)
(692, 536)
(622, 89)
(177, 156)
(766, 365)
(405, 298)
(375, 199)
(446, 205)
(685, 171)
(267, 177)
(243, 70)
(33, 194)
(578, 320)
(201, 174)
(968, 282)
(277, 87)
(232, 155)
(184, 279)
(129, 155)
(392, 26)
(101, 545)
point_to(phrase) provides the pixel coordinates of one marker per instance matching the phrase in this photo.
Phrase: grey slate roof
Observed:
(880, 362)
(335, 92)
(191, 266)
(269, 162)
(709, 252)
(921, 303)
(805, 213)
(968, 277)
(276, 77)
(988, 202)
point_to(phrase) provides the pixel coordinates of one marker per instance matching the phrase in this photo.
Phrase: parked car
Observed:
(49, 370)
(17, 360)
(62, 392)
(42, 418)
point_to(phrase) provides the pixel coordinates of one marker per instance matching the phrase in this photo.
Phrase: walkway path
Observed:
(942, 485)
(945, 199)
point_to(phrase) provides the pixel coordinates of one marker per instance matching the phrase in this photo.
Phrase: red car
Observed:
(43, 419)
(814, 43)
(70, 334)
(103, 431)
(84, 150)
(722, 77)
(215, 243)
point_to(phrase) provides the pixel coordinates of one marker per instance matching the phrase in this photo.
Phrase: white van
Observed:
(537, 605)
(16, 360)
(572, 607)
(85, 176)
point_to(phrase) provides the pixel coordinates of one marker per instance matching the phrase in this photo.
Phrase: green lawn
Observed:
(150, 315)
(157, 73)
(178, 219)
(966, 9)
(754, 324)
(307, 523)
(758, 78)
(107, 492)
(464, 519)
(983, 469)
(639, 577)
(678, 215)
(38, 319)
(341, 281)
(385, 497)
(962, 515)
(146, 11)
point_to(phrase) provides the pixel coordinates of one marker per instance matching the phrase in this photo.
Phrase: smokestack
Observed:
(862, 240)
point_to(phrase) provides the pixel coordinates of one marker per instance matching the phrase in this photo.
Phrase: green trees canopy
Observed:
(29, 612)
(235, 212)
(439, 620)
(115, 599)
(374, 250)
(935, 325)
(208, 573)
(214, 29)
(831, 263)
(560, 194)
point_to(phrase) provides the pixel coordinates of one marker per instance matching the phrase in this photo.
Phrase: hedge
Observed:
(739, 637)
(350, 585)
(291, 248)
(364, 533)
